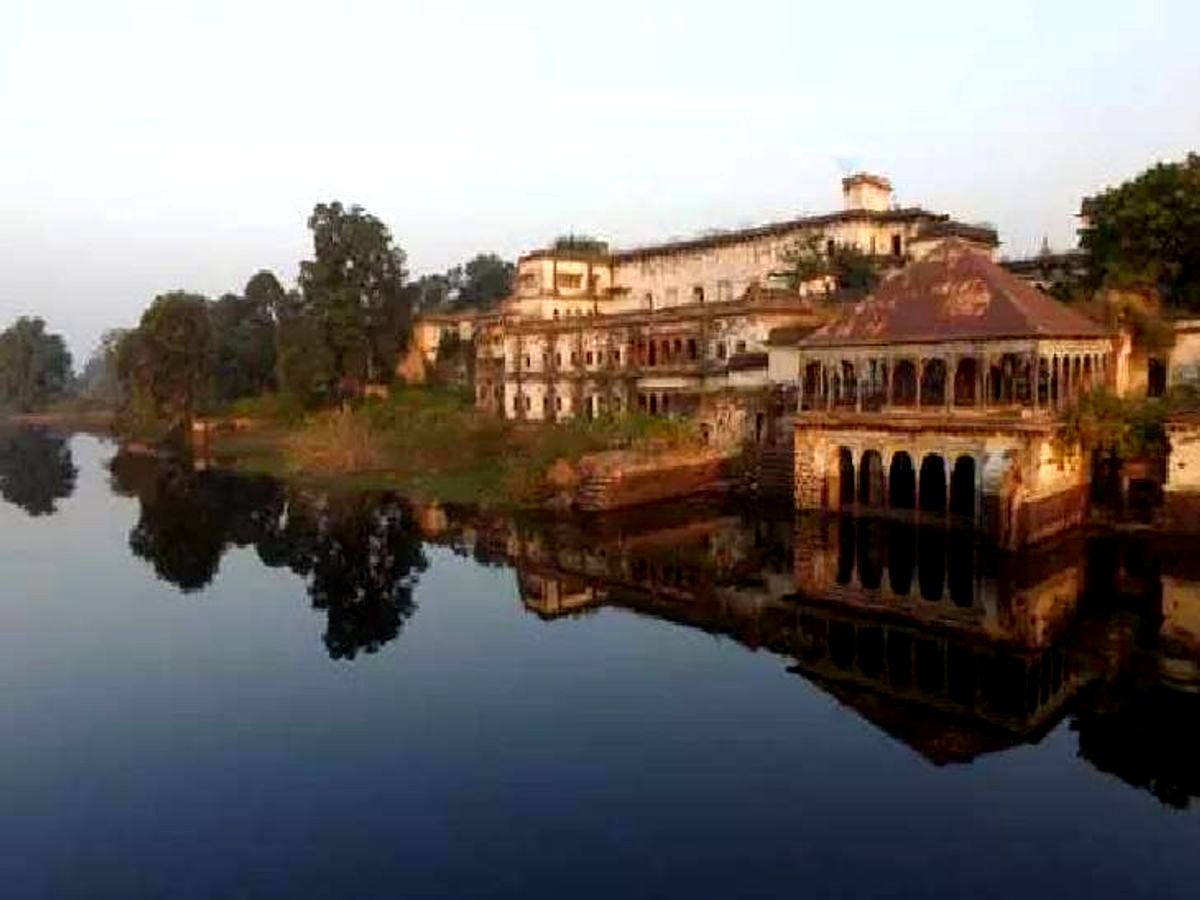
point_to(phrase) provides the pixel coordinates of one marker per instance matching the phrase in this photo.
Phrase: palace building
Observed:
(671, 328)
(939, 393)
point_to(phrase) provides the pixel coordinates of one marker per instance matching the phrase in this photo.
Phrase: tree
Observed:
(35, 366)
(99, 380)
(354, 289)
(841, 266)
(1145, 234)
(486, 280)
(36, 470)
(164, 366)
(244, 339)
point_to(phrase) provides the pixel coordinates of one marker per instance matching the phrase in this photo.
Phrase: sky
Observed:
(152, 146)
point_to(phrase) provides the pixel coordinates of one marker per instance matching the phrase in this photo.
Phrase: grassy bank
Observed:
(427, 442)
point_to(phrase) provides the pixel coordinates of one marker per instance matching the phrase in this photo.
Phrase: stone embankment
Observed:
(620, 478)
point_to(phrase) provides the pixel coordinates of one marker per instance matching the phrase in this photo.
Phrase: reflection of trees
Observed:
(1146, 734)
(36, 470)
(359, 554)
(189, 518)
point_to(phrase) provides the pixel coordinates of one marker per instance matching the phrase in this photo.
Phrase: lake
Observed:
(224, 686)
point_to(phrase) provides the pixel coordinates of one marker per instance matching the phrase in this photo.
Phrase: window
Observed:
(568, 281)
(691, 348)
(741, 346)
(720, 349)
(830, 247)
(528, 403)
(588, 357)
(558, 359)
(574, 357)
(527, 361)
(698, 293)
(649, 301)
(558, 403)
(897, 245)
(724, 291)
(556, 314)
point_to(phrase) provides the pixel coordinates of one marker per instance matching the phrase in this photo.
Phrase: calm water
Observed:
(223, 687)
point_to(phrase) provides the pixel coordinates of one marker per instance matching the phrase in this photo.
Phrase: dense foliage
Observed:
(353, 290)
(844, 267)
(35, 367)
(1145, 234)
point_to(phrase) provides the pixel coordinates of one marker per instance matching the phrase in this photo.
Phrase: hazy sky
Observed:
(147, 146)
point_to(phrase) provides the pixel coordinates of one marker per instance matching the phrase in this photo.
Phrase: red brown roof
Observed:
(955, 293)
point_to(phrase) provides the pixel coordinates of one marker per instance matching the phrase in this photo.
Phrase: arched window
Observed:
(904, 383)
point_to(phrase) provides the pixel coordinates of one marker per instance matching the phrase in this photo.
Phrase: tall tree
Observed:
(354, 289)
(1145, 234)
(35, 366)
(244, 341)
(164, 366)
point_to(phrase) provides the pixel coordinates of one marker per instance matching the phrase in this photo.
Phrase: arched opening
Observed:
(653, 404)
(845, 477)
(962, 488)
(811, 389)
(848, 385)
(870, 479)
(904, 383)
(1156, 377)
(845, 566)
(933, 484)
(931, 562)
(961, 568)
(870, 553)
(933, 383)
(966, 374)
(901, 557)
(652, 354)
(902, 483)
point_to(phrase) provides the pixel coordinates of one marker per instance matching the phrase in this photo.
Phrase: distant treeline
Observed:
(345, 324)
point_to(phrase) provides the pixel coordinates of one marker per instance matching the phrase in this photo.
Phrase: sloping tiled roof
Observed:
(955, 293)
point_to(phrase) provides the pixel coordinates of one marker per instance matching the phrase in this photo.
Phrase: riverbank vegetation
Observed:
(431, 442)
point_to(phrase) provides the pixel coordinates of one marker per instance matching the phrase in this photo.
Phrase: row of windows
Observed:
(652, 353)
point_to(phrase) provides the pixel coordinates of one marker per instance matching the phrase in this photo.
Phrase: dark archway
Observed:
(870, 553)
(902, 482)
(870, 479)
(845, 477)
(962, 488)
(931, 562)
(901, 556)
(904, 383)
(811, 390)
(933, 484)
(966, 376)
(933, 383)
(846, 542)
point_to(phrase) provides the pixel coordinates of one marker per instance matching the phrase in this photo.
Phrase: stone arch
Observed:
(932, 484)
(966, 375)
(962, 488)
(933, 382)
(904, 383)
(902, 482)
(845, 477)
(870, 479)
